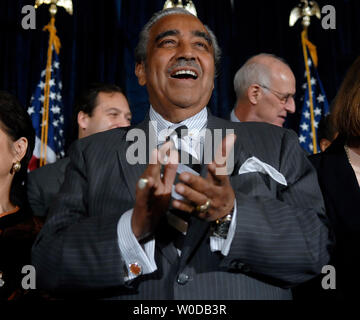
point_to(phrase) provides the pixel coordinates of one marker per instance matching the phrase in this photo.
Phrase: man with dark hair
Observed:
(157, 229)
(101, 107)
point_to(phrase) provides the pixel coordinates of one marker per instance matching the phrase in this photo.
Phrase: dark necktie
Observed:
(173, 219)
(185, 158)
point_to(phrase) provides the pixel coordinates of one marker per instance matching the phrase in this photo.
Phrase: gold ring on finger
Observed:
(204, 207)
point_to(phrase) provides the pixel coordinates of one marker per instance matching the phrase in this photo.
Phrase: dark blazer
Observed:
(341, 193)
(281, 238)
(43, 185)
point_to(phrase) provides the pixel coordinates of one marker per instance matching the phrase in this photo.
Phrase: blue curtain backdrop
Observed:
(98, 42)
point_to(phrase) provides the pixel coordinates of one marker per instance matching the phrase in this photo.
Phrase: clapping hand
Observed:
(210, 198)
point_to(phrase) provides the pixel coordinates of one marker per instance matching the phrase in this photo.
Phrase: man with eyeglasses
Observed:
(265, 90)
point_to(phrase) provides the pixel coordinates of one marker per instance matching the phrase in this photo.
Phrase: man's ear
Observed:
(254, 93)
(83, 120)
(20, 147)
(140, 73)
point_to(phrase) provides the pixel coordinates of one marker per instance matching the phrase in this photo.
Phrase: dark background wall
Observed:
(99, 39)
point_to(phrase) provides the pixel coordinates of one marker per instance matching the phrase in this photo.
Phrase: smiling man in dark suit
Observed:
(126, 230)
(100, 107)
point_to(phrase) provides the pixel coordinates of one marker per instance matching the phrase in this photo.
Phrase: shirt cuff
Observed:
(223, 245)
(139, 259)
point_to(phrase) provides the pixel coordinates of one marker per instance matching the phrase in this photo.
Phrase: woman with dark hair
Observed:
(17, 227)
(338, 170)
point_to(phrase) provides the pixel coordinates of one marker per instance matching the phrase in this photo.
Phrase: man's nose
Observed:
(290, 105)
(185, 51)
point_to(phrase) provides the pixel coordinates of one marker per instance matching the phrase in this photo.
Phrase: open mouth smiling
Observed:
(184, 74)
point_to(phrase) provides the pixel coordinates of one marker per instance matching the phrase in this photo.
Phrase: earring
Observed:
(16, 167)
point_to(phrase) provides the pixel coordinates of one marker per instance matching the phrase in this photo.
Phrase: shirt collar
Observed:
(233, 116)
(164, 127)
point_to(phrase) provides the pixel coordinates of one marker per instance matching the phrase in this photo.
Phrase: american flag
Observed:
(320, 107)
(55, 139)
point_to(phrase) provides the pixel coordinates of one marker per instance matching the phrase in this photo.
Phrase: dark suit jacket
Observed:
(43, 184)
(341, 193)
(280, 241)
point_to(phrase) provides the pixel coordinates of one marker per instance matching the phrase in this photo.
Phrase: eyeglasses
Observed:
(284, 98)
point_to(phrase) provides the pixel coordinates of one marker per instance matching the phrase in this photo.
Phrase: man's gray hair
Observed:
(140, 50)
(252, 72)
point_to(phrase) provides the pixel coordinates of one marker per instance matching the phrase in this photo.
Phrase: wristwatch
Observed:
(221, 226)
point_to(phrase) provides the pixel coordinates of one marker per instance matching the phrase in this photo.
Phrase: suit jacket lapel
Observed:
(240, 155)
(132, 172)
(62, 169)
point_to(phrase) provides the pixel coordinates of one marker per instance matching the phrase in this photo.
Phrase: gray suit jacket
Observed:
(43, 184)
(281, 234)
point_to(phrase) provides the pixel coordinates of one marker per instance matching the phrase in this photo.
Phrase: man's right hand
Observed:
(152, 201)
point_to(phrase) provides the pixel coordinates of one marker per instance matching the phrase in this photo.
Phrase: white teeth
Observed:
(189, 72)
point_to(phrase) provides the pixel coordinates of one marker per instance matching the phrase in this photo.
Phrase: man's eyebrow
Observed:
(204, 35)
(112, 109)
(166, 33)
